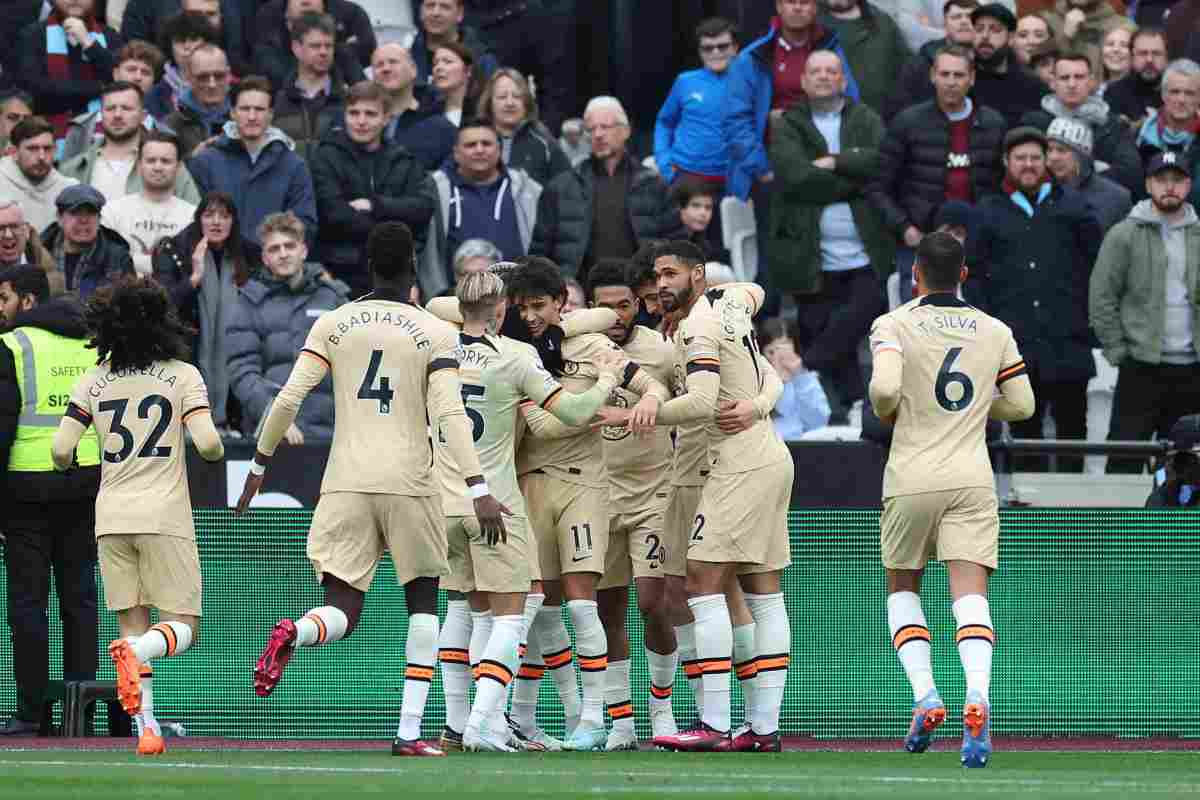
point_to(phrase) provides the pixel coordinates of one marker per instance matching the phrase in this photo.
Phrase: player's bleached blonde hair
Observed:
(479, 288)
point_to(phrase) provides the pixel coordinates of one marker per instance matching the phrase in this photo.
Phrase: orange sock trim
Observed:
(660, 692)
(691, 669)
(418, 672)
(910, 633)
(560, 659)
(975, 632)
(529, 672)
(494, 670)
(621, 710)
(451, 655)
(322, 630)
(773, 662)
(147, 671)
(593, 664)
(714, 666)
(746, 669)
(169, 634)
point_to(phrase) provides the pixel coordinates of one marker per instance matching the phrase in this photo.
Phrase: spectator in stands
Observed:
(1042, 63)
(606, 206)
(803, 406)
(1031, 256)
(313, 98)
(86, 254)
(1000, 81)
(19, 243)
(203, 108)
(1113, 146)
(688, 137)
(1032, 30)
(478, 198)
(1178, 484)
(14, 16)
(943, 149)
(28, 176)
(15, 105)
(254, 162)
(154, 211)
(475, 255)
(110, 165)
(920, 21)
(440, 22)
(361, 181)
(1115, 56)
(182, 34)
(1080, 25)
(65, 60)
(1069, 162)
(697, 204)
(573, 142)
(274, 313)
(576, 298)
(1143, 308)
(764, 82)
(413, 118)
(913, 84)
(829, 247)
(202, 267)
(137, 63)
(1140, 92)
(873, 45)
(1174, 126)
(354, 44)
(145, 20)
(456, 78)
(507, 102)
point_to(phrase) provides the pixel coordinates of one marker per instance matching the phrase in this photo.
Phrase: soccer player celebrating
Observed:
(566, 491)
(140, 396)
(497, 374)
(390, 361)
(741, 525)
(937, 365)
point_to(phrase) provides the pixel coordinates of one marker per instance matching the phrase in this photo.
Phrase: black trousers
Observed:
(830, 326)
(1149, 399)
(41, 539)
(1067, 402)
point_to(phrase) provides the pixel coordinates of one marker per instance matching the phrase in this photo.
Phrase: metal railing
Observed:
(1005, 447)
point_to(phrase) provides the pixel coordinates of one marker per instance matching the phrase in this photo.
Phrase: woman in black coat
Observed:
(508, 104)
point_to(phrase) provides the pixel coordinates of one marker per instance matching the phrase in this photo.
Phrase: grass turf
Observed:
(233, 775)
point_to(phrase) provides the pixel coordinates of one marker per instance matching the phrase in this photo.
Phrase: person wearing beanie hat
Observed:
(1030, 257)
(1069, 161)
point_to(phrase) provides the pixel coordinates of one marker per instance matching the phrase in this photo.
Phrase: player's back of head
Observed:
(133, 324)
(940, 257)
(478, 293)
(390, 252)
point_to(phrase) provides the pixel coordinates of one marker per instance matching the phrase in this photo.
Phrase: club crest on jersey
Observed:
(958, 160)
(570, 367)
(609, 432)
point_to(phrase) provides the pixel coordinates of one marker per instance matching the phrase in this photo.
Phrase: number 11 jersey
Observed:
(139, 416)
(954, 357)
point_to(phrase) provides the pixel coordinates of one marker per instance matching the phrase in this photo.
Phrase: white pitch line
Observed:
(757, 776)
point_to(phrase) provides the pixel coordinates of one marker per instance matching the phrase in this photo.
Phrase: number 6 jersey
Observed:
(954, 358)
(139, 415)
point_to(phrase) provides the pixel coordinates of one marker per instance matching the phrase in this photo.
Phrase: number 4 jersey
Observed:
(954, 357)
(139, 415)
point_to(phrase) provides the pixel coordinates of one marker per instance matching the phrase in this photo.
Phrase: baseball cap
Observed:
(1168, 159)
(998, 12)
(1074, 134)
(1185, 435)
(78, 196)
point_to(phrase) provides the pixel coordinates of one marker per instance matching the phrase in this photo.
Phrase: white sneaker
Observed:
(620, 740)
(487, 741)
(539, 736)
(586, 738)
(662, 718)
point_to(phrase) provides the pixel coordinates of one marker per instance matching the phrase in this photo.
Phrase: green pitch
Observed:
(234, 775)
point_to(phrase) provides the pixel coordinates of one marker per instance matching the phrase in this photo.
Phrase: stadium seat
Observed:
(739, 236)
(78, 697)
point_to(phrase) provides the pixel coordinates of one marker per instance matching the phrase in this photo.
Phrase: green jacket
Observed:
(81, 167)
(1127, 294)
(801, 192)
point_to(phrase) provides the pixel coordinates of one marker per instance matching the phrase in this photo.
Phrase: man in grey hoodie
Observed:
(1144, 304)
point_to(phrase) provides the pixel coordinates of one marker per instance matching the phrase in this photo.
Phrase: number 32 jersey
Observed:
(954, 358)
(139, 416)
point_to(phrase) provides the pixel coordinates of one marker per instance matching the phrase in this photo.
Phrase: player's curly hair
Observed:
(133, 324)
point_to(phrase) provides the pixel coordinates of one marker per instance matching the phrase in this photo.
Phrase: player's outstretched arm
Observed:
(446, 309)
(552, 412)
(204, 434)
(644, 415)
(588, 320)
(70, 430)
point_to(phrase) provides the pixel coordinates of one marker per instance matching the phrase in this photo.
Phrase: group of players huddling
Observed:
(523, 458)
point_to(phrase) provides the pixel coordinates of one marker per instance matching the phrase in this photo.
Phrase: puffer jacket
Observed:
(911, 182)
(536, 153)
(564, 219)
(268, 328)
(108, 261)
(396, 187)
(1127, 296)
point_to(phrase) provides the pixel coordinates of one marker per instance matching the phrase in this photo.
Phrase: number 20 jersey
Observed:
(954, 357)
(139, 416)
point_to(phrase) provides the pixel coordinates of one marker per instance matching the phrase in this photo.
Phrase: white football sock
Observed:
(773, 640)
(976, 639)
(454, 658)
(592, 645)
(662, 674)
(496, 669)
(745, 665)
(420, 652)
(529, 680)
(322, 625)
(556, 651)
(163, 639)
(685, 635)
(910, 638)
(714, 651)
(533, 603)
(618, 697)
(148, 722)
(481, 631)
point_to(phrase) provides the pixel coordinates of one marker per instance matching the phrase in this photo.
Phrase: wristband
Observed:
(257, 468)
(479, 490)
